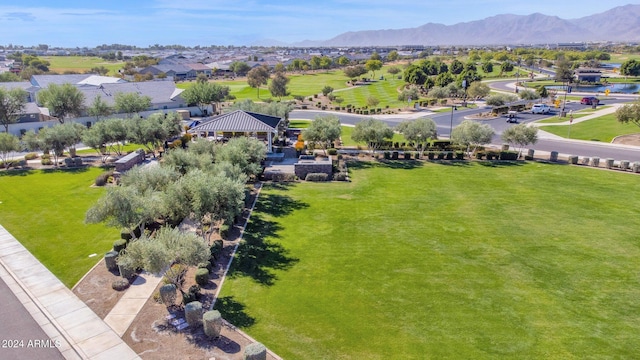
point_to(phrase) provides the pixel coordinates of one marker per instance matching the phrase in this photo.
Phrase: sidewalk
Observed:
(596, 114)
(130, 304)
(71, 327)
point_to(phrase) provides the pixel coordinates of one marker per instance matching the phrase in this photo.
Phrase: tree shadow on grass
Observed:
(454, 163)
(500, 163)
(233, 311)
(390, 164)
(257, 257)
(16, 172)
(278, 205)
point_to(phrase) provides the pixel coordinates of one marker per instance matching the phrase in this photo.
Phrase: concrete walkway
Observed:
(71, 327)
(130, 304)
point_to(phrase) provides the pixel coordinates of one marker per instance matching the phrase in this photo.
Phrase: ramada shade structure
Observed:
(240, 121)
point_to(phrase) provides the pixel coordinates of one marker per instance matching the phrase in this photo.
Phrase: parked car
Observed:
(589, 100)
(540, 109)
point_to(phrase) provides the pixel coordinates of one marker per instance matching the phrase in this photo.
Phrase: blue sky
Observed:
(71, 23)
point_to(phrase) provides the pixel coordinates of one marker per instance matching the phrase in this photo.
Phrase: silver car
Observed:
(540, 109)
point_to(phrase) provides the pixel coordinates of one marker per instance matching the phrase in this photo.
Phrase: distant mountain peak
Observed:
(619, 24)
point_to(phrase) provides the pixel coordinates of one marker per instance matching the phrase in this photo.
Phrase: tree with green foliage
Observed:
(456, 67)
(413, 74)
(126, 208)
(326, 90)
(528, 95)
(353, 72)
(343, 61)
(106, 136)
(9, 144)
(520, 135)
(9, 77)
(278, 85)
(62, 100)
(240, 68)
(629, 113)
(472, 134)
(257, 77)
(393, 55)
(182, 161)
(375, 56)
(487, 67)
(419, 132)
(444, 79)
(323, 131)
(203, 94)
(373, 132)
(326, 62)
(168, 246)
(99, 108)
(478, 90)
(630, 67)
(501, 99)
(373, 66)
(564, 72)
(505, 67)
(394, 70)
(542, 91)
(100, 70)
(131, 103)
(12, 103)
(245, 152)
(153, 130)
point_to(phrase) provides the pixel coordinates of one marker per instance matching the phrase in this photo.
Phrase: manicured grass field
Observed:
(531, 261)
(604, 128)
(45, 210)
(81, 64)
(345, 134)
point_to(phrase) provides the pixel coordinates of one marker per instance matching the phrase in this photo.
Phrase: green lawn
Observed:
(81, 64)
(532, 261)
(45, 210)
(345, 134)
(604, 128)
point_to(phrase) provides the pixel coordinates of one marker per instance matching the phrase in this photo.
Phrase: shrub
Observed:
(192, 295)
(103, 178)
(212, 323)
(407, 156)
(224, 231)
(46, 161)
(202, 276)
(341, 176)
(459, 155)
(255, 351)
(120, 284)
(283, 177)
(193, 313)
(168, 294)
(479, 155)
(441, 155)
(449, 155)
(31, 156)
(119, 245)
(508, 155)
(110, 260)
(77, 161)
(316, 177)
(205, 265)
(387, 155)
(332, 151)
(216, 249)
(528, 158)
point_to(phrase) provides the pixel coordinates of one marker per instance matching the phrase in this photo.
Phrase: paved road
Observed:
(445, 121)
(20, 336)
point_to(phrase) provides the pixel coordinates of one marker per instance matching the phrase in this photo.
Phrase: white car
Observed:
(540, 109)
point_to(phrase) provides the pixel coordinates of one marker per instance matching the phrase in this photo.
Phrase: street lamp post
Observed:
(453, 107)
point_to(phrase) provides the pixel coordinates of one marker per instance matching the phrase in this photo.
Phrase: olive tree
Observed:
(373, 132)
(131, 103)
(257, 77)
(324, 130)
(9, 144)
(202, 94)
(629, 113)
(62, 100)
(419, 131)
(472, 134)
(153, 130)
(520, 135)
(12, 104)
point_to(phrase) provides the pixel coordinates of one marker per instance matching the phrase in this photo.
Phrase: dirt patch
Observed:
(151, 334)
(631, 139)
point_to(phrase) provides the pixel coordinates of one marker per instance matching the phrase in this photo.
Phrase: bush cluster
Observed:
(192, 295)
(119, 245)
(202, 276)
(103, 178)
(120, 284)
(31, 156)
(316, 177)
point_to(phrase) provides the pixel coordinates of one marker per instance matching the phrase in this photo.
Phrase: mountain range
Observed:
(620, 24)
